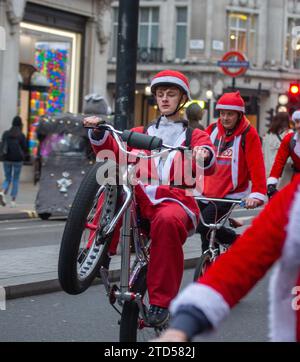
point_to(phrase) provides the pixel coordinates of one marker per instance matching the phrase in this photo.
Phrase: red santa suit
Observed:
(239, 161)
(289, 147)
(273, 238)
(172, 214)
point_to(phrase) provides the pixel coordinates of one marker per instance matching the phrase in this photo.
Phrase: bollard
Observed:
(2, 298)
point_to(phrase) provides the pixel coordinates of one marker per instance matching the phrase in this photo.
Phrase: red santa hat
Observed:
(231, 101)
(173, 78)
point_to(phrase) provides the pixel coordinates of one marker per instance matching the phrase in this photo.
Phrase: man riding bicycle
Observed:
(239, 161)
(171, 213)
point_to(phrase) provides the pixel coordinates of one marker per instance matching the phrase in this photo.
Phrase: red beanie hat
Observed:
(173, 78)
(231, 101)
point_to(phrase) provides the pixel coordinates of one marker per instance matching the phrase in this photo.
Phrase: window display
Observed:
(55, 55)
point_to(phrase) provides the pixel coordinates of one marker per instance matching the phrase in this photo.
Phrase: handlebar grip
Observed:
(141, 140)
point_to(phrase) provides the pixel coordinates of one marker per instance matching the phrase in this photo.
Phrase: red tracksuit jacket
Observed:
(237, 164)
(273, 238)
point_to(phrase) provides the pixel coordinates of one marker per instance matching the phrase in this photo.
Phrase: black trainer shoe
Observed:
(157, 316)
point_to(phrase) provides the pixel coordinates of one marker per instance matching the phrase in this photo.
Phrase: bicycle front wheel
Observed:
(84, 245)
(204, 262)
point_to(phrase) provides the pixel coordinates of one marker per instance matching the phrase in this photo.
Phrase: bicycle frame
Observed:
(219, 223)
(128, 212)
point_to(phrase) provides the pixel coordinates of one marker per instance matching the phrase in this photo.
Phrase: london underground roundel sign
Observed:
(234, 63)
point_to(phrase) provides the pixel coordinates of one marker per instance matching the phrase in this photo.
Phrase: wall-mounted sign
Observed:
(197, 44)
(218, 45)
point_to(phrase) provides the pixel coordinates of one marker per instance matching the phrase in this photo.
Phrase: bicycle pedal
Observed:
(111, 294)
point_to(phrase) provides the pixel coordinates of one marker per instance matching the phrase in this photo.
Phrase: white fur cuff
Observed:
(205, 298)
(272, 181)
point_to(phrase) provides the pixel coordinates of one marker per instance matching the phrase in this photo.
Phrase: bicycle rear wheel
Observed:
(204, 262)
(132, 324)
(84, 244)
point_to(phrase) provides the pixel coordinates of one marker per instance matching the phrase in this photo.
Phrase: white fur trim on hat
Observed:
(230, 107)
(171, 80)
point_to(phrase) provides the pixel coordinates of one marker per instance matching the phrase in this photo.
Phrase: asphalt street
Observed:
(28, 233)
(89, 317)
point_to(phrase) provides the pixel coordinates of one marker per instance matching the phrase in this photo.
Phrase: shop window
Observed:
(54, 55)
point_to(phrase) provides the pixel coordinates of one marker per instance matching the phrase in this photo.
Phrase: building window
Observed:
(243, 34)
(292, 47)
(181, 32)
(148, 27)
(147, 33)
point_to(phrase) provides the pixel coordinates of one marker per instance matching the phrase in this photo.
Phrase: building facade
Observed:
(55, 53)
(73, 44)
(193, 35)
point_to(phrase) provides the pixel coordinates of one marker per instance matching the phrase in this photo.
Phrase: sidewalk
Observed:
(33, 270)
(25, 203)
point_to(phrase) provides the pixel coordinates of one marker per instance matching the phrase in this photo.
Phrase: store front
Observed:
(50, 65)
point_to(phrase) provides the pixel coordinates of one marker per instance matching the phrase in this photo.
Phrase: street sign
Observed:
(234, 59)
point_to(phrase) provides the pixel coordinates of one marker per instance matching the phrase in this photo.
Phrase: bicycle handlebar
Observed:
(229, 201)
(138, 140)
(141, 141)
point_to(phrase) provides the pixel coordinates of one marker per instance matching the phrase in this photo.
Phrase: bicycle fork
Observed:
(212, 242)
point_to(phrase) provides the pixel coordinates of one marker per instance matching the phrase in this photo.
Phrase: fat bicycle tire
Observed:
(132, 327)
(130, 312)
(74, 280)
(202, 265)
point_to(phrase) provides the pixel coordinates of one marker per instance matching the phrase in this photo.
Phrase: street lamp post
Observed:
(126, 63)
(209, 97)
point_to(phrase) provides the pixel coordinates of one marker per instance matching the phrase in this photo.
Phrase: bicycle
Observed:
(95, 212)
(216, 248)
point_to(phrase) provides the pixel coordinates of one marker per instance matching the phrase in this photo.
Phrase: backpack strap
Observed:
(188, 133)
(278, 136)
(188, 136)
(292, 144)
(244, 134)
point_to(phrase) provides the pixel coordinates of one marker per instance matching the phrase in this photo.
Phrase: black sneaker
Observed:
(157, 316)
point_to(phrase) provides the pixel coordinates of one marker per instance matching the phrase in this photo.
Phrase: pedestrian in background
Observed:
(16, 149)
(289, 147)
(279, 128)
(194, 114)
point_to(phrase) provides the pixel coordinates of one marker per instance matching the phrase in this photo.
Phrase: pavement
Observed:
(33, 270)
(25, 208)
